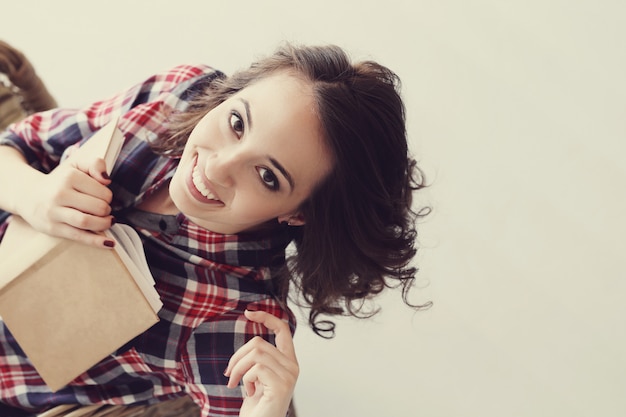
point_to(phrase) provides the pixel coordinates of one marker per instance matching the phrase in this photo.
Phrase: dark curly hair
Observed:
(360, 232)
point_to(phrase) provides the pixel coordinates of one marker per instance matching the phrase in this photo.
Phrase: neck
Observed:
(159, 202)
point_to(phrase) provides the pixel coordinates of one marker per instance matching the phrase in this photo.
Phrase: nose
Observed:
(223, 166)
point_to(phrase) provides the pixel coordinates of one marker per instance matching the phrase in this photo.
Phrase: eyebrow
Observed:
(246, 104)
(283, 171)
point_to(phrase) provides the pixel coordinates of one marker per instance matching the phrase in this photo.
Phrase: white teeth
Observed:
(197, 181)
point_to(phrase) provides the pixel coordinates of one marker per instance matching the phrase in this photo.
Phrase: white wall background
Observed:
(517, 112)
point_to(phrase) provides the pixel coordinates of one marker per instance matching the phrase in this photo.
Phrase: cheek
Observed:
(260, 208)
(204, 131)
(177, 184)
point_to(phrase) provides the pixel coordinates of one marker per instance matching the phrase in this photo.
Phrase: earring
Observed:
(290, 222)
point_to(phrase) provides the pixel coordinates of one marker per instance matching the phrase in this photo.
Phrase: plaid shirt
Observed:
(205, 279)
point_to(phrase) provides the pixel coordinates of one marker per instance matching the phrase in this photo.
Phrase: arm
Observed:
(72, 201)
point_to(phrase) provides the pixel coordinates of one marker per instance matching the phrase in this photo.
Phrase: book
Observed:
(70, 305)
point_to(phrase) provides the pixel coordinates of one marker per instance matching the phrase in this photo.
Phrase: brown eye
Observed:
(268, 178)
(236, 123)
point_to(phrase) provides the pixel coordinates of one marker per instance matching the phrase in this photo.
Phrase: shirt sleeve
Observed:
(44, 137)
(208, 351)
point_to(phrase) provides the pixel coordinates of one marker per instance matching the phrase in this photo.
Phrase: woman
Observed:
(219, 174)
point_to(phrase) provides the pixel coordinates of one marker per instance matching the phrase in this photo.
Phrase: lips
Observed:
(198, 186)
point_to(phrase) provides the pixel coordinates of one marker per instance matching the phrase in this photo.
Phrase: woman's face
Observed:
(255, 157)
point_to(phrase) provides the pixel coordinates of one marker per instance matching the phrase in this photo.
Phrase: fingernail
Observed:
(105, 175)
(109, 243)
(251, 307)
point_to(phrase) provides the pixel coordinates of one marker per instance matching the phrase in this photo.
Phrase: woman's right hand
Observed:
(269, 373)
(73, 201)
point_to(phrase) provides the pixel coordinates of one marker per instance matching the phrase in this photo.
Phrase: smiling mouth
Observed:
(196, 178)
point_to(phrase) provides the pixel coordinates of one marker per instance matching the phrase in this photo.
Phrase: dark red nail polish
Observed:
(109, 243)
(105, 175)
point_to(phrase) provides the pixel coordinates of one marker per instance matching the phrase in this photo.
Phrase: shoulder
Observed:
(179, 78)
(184, 72)
(146, 107)
(169, 90)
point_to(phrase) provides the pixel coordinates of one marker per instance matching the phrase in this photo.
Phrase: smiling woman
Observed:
(219, 175)
(234, 176)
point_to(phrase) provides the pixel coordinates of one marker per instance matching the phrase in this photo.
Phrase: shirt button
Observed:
(162, 225)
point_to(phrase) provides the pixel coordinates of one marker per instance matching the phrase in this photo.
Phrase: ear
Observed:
(292, 219)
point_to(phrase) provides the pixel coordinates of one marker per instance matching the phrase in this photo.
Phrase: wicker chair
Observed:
(21, 90)
(181, 407)
(10, 105)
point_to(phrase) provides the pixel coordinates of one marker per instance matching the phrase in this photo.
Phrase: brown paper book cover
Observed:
(70, 305)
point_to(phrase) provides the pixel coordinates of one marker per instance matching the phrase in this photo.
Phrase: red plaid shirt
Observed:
(205, 279)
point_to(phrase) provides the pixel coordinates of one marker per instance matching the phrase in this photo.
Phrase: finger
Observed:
(249, 383)
(256, 343)
(87, 204)
(80, 220)
(284, 340)
(72, 178)
(262, 381)
(85, 184)
(278, 327)
(83, 236)
(263, 376)
(95, 168)
(264, 354)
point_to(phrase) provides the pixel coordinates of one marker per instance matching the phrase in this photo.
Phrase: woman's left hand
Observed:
(269, 372)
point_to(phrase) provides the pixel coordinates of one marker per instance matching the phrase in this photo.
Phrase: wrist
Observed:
(17, 180)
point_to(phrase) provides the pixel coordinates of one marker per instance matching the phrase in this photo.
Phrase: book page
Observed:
(130, 241)
(130, 251)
